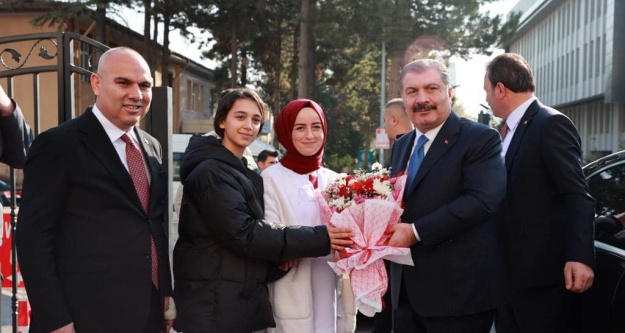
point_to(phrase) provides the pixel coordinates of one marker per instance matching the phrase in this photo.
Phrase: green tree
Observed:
(65, 14)
(337, 43)
(171, 13)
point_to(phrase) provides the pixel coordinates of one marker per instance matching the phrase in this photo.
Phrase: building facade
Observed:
(576, 49)
(191, 82)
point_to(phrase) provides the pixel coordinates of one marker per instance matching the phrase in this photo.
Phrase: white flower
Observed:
(340, 179)
(381, 187)
(376, 166)
(339, 203)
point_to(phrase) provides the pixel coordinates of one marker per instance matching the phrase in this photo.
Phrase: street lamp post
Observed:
(382, 94)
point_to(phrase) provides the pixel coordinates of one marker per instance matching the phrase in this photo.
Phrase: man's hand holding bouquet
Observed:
(369, 203)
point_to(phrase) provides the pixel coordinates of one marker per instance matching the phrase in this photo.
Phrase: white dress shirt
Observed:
(115, 135)
(513, 122)
(431, 135)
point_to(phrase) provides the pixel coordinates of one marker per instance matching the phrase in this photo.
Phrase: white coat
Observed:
(299, 304)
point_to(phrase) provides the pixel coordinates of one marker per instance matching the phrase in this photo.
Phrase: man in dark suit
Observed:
(15, 135)
(454, 285)
(547, 215)
(91, 240)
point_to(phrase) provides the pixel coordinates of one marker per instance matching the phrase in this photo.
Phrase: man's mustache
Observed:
(423, 107)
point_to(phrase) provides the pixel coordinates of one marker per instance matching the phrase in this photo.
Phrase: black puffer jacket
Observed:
(225, 247)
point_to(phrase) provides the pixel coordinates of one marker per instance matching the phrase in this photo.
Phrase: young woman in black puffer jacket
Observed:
(226, 252)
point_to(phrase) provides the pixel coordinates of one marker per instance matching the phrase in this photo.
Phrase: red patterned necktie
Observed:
(504, 131)
(139, 176)
(313, 180)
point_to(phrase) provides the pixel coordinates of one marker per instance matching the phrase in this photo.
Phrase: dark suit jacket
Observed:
(456, 190)
(547, 216)
(83, 238)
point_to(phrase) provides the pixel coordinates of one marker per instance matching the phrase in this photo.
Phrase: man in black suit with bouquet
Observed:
(456, 181)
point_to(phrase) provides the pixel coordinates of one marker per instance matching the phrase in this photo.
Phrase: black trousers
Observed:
(548, 309)
(406, 320)
(156, 320)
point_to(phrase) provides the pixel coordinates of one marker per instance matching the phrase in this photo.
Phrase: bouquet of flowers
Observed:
(369, 203)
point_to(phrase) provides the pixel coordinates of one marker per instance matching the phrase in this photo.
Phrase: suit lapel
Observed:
(98, 143)
(445, 139)
(519, 132)
(403, 152)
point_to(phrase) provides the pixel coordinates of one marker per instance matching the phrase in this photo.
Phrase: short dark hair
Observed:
(513, 71)
(227, 99)
(263, 155)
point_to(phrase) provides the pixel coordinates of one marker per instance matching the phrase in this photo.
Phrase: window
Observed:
(590, 58)
(576, 68)
(598, 57)
(195, 96)
(197, 93)
(189, 95)
(560, 73)
(607, 186)
(585, 61)
(567, 72)
(592, 9)
(603, 56)
(579, 9)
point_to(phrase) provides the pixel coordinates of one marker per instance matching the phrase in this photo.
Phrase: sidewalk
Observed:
(365, 325)
(6, 311)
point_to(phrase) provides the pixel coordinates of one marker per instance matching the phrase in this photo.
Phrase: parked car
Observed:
(5, 194)
(602, 307)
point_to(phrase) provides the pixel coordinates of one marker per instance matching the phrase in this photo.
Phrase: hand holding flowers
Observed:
(402, 235)
(340, 238)
(369, 203)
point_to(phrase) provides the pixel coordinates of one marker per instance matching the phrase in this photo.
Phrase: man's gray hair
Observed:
(422, 65)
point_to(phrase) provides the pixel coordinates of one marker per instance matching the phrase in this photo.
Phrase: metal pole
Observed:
(382, 95)
(13, 203)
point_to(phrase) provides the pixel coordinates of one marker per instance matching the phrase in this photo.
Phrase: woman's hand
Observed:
(285, 266)
(340, 238)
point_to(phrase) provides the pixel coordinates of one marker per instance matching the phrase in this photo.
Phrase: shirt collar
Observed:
(431, 134)
(515, 117)
(112, 131)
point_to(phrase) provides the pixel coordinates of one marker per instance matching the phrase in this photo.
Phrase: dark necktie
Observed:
(139, 176)
(504, 131)
(415, 160)
(313, 180)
